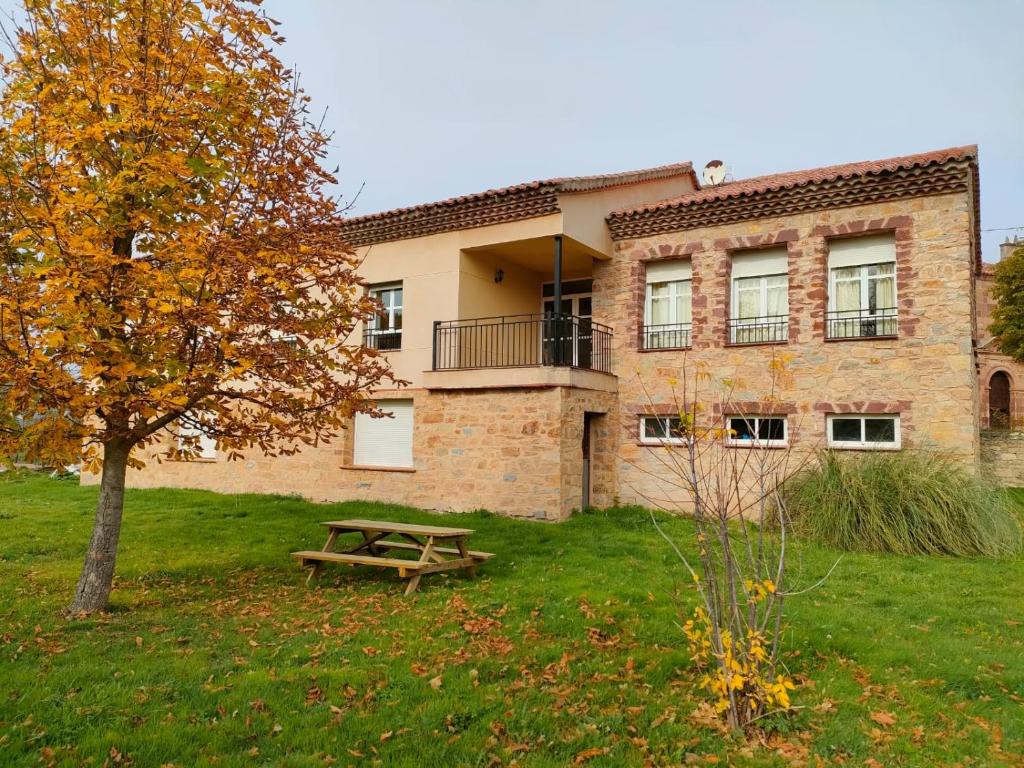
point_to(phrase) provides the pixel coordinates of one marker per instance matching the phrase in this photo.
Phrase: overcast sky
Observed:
(447, 97)
(434, 98)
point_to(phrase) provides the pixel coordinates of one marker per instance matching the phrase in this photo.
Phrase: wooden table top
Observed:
(382, 526)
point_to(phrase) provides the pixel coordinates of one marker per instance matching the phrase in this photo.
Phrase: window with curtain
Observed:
(760, 297)
(862, 287)
(668, 305)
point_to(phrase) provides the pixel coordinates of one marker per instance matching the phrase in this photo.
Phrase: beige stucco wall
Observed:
(926, 375)
(584, 212)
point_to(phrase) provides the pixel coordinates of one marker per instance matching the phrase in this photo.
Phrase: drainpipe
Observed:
(557, 356)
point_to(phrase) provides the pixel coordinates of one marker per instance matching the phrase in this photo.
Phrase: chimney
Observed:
(1007, 248)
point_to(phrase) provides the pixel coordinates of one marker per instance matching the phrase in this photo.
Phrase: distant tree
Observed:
(1008, 316)
(169, 247)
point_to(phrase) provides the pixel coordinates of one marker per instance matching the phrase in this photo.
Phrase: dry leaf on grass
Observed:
(589, 754)
(883, 718)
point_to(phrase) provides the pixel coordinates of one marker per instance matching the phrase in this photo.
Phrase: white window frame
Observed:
(755, 442)
(392, 310)
(660, 440)
(863, 444)
(207, 445)
(841, 321)
(670, 330)
(862, 253)
(762, 302)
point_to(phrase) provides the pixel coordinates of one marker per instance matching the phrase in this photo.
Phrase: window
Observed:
(756, 431)
(384, 331)
(855, 431)
(668, 305)
(285, 310)
(862, 287)
(760, 297)
(662, 430)
(204, 448)
(385, 441)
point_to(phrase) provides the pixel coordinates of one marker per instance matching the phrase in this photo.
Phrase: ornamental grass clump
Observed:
(908, 503)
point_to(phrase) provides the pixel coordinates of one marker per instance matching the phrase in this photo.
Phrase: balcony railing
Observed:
(770, 329)
(520, 341)
(667, 336)
(861, 323)
(385, 341)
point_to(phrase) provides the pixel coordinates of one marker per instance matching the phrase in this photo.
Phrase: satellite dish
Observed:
(714, 173)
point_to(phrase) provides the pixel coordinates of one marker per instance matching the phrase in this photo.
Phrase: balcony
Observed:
(522, 341)
(861, 323)
(769, 329)
(667, 336)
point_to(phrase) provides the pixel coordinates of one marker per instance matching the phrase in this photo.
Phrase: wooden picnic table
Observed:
(380, 538)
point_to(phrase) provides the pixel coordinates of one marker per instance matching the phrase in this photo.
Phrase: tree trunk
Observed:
(94, 584)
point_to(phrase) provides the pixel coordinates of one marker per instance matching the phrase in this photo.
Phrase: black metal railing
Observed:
(519, 341)
(667, 336)
(385, 341)
(770, 329)
(861, 323)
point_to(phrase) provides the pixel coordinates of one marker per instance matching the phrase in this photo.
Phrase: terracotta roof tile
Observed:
(519, 201)
(942, 171)
(794, 179)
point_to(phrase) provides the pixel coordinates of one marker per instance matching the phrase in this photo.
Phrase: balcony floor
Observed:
(518, 378)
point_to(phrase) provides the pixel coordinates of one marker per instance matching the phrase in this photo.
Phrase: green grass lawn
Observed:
(564, 652)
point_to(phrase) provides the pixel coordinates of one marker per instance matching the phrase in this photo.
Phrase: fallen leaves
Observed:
(589, 754)
(885, 719)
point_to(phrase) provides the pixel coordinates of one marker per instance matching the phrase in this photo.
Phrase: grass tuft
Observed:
(910, 503)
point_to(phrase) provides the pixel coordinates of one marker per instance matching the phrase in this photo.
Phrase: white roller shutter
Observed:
(857, 251)
(770, 261)
(385, 442)
(669, 271)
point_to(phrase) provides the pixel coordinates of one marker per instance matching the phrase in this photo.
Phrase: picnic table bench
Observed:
(381, 538)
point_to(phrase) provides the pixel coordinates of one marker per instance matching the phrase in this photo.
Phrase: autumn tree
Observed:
(170, 244)
(1008, 315)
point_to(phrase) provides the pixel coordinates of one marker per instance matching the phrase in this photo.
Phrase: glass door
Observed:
(572, 333)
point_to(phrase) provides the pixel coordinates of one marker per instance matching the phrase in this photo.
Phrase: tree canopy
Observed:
(170, 245)
(1008, 316)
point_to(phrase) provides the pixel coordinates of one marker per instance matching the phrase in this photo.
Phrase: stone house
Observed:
(1001, 389)
(540, 326)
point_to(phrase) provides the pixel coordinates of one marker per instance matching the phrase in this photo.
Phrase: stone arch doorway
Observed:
(999, 400)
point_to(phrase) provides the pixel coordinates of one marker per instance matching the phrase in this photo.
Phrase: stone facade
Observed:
(514, 451)
(1002, 456)
(926, 374)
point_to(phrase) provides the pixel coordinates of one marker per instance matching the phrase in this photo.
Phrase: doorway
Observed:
(999, 401)
(571, 334)
(587, 446)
